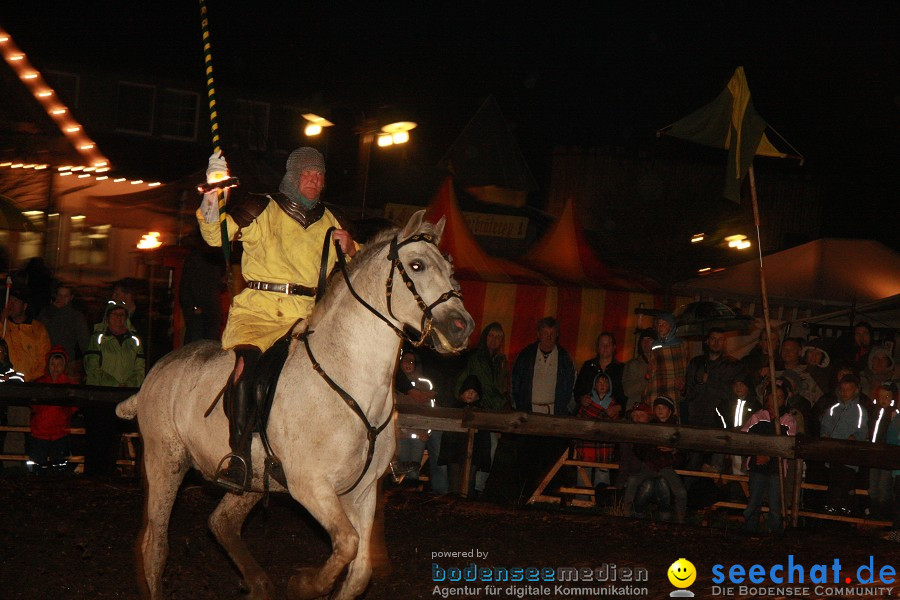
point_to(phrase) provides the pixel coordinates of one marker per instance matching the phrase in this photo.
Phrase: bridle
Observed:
(424, 331)
(425, 327)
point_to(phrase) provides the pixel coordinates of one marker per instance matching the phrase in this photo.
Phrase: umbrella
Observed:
(11, 217)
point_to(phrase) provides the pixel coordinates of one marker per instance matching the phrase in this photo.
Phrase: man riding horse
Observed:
(283, 235)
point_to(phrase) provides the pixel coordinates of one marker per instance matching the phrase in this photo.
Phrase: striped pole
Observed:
(214, 123)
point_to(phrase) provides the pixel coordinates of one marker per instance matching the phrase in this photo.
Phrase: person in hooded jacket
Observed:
(668, 362)
(114, 358)
(818, 365)
(48, 445)
(599, 404)
(880, 369)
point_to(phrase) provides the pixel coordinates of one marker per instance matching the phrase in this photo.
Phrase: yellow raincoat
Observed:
(277, 249)
(28, 344)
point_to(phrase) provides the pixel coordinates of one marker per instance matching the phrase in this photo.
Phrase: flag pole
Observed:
(773, 404)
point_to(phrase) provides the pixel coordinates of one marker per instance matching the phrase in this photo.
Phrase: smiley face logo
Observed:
(682, 573)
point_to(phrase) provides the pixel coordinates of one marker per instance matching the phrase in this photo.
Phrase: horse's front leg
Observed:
(324, 505)
(225, 522)
(360, 506)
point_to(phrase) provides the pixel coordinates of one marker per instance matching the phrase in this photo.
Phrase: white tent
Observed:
(825, 274)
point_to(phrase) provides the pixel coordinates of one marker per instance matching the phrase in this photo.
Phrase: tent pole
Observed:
(773, 407)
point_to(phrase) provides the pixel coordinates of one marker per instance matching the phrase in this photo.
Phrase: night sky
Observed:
(824, 74)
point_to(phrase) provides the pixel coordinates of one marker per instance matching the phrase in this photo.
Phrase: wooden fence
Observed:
(468, 421)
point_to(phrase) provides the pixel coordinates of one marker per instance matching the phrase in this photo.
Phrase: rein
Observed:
(426, 328)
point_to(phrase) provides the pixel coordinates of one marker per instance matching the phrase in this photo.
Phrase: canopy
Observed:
(826, 271)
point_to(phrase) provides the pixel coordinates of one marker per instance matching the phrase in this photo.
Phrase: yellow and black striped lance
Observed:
(214, 121)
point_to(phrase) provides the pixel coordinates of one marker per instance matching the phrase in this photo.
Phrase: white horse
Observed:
(322, 442)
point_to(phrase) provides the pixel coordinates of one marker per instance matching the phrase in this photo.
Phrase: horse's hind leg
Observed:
(163, 479)
(324, 505)
(361, 511)
(225, 523)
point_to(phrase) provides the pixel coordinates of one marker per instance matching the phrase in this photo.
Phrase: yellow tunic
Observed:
(277, 249)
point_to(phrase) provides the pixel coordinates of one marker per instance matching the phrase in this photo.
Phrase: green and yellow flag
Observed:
(729, 122)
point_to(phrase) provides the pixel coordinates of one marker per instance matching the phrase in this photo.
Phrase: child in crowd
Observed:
(736, 410)
(600, 405)
(846, 419)
(629, 463)
(881, 480)
(48, 445)
(764, 478)
(454, 444)
(659, 462)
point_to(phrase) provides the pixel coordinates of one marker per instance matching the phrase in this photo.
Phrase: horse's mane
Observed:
(367, 255)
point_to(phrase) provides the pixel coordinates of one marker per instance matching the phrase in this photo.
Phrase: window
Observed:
(65, 85)
(134, 108)
(178, 115)
(88, 244)
(252, 124)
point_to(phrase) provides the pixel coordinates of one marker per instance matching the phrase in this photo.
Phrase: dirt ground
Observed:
(73, 538)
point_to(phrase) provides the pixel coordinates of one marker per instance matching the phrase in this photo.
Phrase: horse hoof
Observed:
(258, 590)
(302, 587)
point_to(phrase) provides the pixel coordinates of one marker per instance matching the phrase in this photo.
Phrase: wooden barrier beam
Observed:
(26, 394)
(461, 420)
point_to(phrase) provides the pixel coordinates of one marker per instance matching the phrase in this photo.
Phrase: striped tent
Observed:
(517, 297)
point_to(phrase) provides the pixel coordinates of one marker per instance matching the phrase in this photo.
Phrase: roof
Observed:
(825, 271)
(564, 254)
(469, 260)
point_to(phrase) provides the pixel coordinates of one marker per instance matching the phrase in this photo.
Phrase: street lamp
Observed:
(387, 128)
(738, 242)
(393, 133)
(315, 124)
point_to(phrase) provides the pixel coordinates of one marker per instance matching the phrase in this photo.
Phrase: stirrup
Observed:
(400, 469)
(221, 479)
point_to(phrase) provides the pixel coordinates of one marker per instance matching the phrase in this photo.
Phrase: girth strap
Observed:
(371, 431)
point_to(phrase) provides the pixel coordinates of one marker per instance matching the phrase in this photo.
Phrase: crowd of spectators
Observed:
(845, 390)
(45, 338)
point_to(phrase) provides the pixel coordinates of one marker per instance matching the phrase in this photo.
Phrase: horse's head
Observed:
(425, 296)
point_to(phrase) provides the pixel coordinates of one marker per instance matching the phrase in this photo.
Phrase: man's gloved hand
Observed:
(217, 168)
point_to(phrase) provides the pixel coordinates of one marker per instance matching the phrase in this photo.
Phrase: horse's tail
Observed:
(127, 409)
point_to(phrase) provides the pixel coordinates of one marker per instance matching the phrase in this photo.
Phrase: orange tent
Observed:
(565, 254)
(499, 290)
